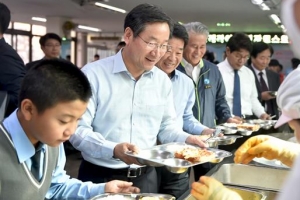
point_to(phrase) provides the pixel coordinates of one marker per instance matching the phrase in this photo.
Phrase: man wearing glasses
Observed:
(241, 93)
(50, 45)
(131, 106)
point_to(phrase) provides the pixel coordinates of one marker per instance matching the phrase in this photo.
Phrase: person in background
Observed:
(68, 58)
(53, 96)
(132, 104)
(120, 46)
(210, 104)
(12, 69)
(295, 63)
(241, 93)
(266, 80)
(184, 99)
(288, 100)
(276, 67)
(96, 57)
(51, 46)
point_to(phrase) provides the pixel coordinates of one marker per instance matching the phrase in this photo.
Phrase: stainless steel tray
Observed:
(271, 163)
(163, 155)
(140, 196)
(256, 177)
(225, 140)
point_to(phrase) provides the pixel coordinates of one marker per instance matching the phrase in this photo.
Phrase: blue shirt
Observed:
(62, 187)
(122, 109)
(184, 100)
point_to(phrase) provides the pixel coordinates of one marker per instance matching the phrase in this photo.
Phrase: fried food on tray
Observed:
(248, 127)
(194, 154)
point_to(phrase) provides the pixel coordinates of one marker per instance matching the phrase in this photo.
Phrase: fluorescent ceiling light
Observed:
(257, 2)
(110, 7)
(39, 19)
(264, 6)
(275, 19)
(89, 28)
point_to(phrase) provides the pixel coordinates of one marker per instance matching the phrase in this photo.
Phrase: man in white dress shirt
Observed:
(238, 49)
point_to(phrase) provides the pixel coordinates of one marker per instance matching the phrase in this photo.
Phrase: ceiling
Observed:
(241, 14)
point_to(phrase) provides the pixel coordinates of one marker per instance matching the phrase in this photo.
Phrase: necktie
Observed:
(264, 88)
(35, 166)
(237, 107)
(263, 84)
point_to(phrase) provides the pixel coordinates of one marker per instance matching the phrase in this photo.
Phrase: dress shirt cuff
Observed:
(182, 137)
(199, 129)
(108, 149)
(97, 189)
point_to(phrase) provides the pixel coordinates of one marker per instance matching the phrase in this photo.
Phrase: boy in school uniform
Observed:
(53, 96)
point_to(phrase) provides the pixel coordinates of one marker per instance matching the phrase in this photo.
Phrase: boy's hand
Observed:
(120, 187)
(119, 152)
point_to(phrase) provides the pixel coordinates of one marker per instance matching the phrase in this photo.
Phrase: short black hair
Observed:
(259, 47)
(121, 44)
(274, 62)
(180, 32)
(4, 18)
(48, 36)
(96, 56)
(239, 41)
(295, 62)
(54, 81)
(145, 14)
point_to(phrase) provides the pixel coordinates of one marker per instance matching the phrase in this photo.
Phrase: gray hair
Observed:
(196, 27)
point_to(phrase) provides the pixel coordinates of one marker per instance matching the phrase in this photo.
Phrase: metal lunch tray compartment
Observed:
(122, 196)
(163, 155)
(271, 163)
(257, 177)
(225, 140)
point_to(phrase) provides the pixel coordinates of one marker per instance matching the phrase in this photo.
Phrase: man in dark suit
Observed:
(50, 45)
(12, 68)
(267, 81)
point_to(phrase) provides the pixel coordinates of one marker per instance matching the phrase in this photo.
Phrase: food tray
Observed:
(140, 196)
(271, 163)
(163, 155)
(231, 128)
(225, 140)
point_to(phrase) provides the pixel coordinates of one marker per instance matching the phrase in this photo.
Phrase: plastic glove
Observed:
(268, 147)
(210, 189)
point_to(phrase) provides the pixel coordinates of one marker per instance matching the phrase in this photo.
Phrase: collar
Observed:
(185, 63)
(119, 65)
(22, 144)
(230, 69)
(257, 71)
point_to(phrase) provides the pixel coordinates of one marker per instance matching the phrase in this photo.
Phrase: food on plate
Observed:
(248, 127)
(150, 198)
(194, 154)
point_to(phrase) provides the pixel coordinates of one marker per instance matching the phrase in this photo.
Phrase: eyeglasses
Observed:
(152, 46)
(53, 45)
(240, 57)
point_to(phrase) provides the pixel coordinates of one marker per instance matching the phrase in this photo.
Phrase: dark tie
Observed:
(263, 84)
(237, 108)
(35, 166)
(264, 88)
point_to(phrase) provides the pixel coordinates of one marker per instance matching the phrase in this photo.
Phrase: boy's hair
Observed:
(238, 42)
(180, 32)
(144, 14)
(54, 81)
(48, 36)
(4, 18)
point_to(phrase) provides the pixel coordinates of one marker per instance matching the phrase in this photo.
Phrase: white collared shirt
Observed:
(258, 76)
(192, 71)
(249, 100)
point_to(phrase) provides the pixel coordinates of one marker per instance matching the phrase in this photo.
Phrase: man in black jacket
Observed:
(267, 81)
(12, 68)
(50, 45)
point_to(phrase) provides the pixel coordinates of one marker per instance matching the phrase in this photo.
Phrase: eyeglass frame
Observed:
(154, 46)
(238, 56)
